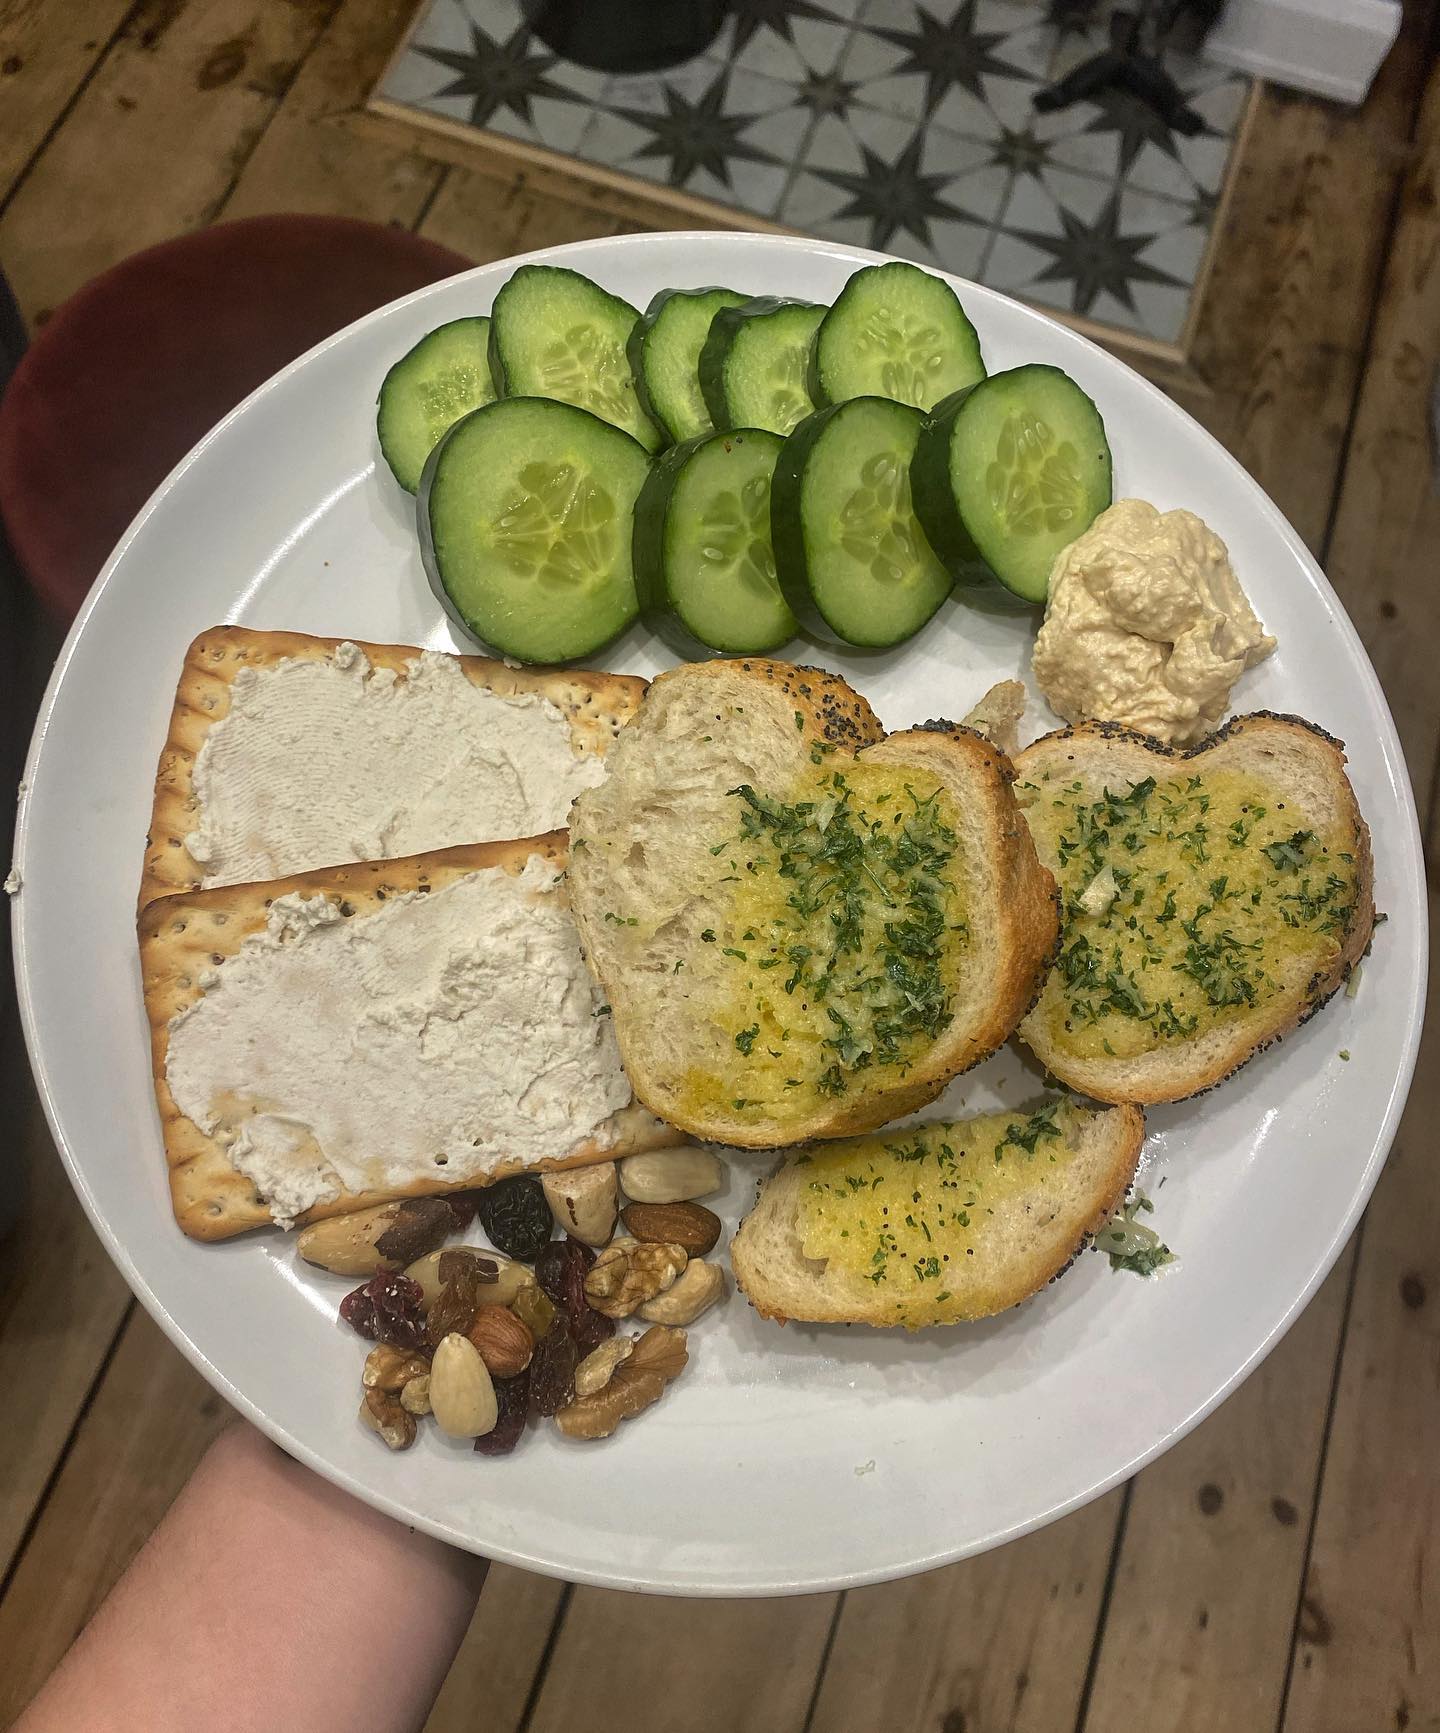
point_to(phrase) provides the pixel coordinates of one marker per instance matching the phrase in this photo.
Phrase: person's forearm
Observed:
(265, 1599)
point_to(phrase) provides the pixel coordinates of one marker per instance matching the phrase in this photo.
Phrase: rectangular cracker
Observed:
(595, 705)
(183, 936)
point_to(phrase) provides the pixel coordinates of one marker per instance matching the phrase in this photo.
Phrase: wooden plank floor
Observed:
(1278, 1570)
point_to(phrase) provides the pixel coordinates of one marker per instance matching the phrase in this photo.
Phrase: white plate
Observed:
(784, 1461)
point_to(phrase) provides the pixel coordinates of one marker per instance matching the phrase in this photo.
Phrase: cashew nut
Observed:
(695, 1291)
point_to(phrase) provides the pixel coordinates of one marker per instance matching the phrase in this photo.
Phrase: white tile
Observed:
(1160, 312)
(816, 47)
(495, 16)
(958, 247)
(1154, 170)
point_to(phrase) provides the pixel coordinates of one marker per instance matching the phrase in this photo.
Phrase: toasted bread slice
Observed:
(1214, 898)
(804, 928)
(596, 706)
(183, 939)
(935, 1223)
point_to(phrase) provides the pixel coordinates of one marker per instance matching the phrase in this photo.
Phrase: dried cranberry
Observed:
(515, 1215)
(512, 1398)
(552, 1368)
(387, 1309)
(591, 1329)
(560, 1270)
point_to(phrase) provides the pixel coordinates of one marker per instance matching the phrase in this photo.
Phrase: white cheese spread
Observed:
(446, 1033)
(333, 760)
(1147, 625)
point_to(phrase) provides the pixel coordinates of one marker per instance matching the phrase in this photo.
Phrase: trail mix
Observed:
(480, 1341)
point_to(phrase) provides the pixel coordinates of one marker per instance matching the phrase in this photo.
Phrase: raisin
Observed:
(458, 1258)
(560, 1271)
(461, 1296)
(534, 1309)
(552, 1368)
(420, 1225)
(512, 1398)
(516, 1217)
(461, 1205)
(387, 1309)
(591, 1330)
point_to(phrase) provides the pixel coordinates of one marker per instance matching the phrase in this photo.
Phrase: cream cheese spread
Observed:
(445, 1034)
(327, 761)
(1147, 625)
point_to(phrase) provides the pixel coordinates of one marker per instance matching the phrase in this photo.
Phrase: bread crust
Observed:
(184, 935)
(1251, 1035)
(1023, 893)
(595, 705)
(780, 1300)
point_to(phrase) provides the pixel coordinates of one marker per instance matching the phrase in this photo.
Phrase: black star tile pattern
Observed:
(498, 74)
(702, 121)
(696, 135)
(1095, 258)
(893, 196)
(950, 52)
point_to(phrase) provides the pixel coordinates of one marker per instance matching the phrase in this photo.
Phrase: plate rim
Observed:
(1410, 852)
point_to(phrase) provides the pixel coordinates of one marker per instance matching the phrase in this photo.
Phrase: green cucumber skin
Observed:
(652, 510)
(723, 329)
(648, 551)
(395, 380)
(635, 347)
(431, 563)
(499, 371)
(787, 532)
(934, 498)
(857, 285)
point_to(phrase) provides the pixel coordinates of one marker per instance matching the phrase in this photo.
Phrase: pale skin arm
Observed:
(267, 1598)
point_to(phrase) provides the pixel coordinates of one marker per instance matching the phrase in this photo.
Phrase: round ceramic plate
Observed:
(795, 1459)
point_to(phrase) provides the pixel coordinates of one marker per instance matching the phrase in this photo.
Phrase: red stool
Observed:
(135, 368)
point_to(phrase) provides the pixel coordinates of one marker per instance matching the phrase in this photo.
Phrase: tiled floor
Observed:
(905, 125)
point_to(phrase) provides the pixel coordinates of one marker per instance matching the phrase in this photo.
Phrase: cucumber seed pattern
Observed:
(877, 525)
(581, 366)
(1033, 481)
(561, 527)
(736, 529)
(909, 351)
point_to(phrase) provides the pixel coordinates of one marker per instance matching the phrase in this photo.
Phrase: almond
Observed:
(677, 1224)
(504, 1341)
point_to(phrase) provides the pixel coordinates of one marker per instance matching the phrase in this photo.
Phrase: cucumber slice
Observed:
(1009, 473)
(849, 551)
(445, 376)
(703, 560)
(664, 350)
(755, 364)
(525, 519)
(895, 331)
(554, 333)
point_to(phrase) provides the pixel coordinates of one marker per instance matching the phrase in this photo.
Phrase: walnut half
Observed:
(636, 1384)
(628, 1273)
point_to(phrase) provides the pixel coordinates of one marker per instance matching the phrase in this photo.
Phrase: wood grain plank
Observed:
(1368, 1648)
(1368, 1639)
(172, 114)
(46, 51)
(61, 1303)
(1282, 334)
(1001, 1641)
(642, 1664)
(487, 219)
(151, 1421)
(306, 161)
(501, 1655)
(1383, 554)
(1204, 1594)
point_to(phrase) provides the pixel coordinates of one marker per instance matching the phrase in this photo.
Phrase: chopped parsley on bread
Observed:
(1212, 899)
(935, 1223)
(804, 928)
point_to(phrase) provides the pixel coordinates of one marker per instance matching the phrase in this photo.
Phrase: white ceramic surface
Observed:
(784, 1461)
